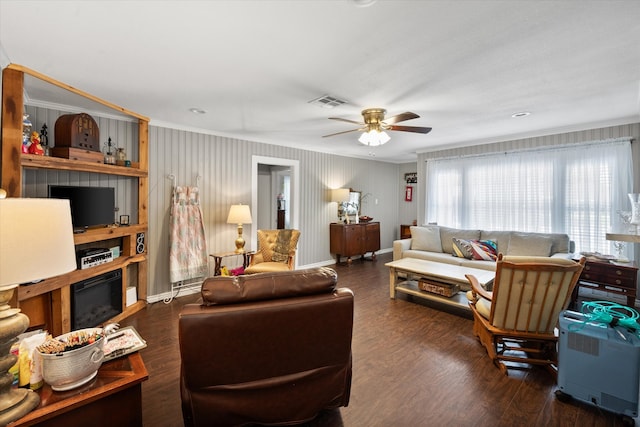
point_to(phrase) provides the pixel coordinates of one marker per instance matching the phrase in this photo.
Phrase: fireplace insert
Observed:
(96, 300)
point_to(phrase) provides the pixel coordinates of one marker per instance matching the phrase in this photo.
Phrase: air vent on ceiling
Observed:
(327, 101)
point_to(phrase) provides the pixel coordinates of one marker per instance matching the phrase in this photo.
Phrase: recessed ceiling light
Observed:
(197, 111)
(520, 114)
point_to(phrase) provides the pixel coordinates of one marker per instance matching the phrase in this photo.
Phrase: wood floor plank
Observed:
(413, 365)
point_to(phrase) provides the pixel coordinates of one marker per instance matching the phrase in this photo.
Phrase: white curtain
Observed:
(575, 189)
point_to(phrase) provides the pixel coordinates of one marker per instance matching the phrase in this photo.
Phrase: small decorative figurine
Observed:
(35, 147)
(44, 139)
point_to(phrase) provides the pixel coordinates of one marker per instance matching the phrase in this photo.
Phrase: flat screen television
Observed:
(90, 206)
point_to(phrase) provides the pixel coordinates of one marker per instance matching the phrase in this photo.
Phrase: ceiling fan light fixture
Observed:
(374, 138)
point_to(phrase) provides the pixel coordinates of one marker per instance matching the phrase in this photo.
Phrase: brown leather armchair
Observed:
(268, 348)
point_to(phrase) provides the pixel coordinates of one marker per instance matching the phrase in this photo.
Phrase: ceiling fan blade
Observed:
(400, 118)
(340, 133)
(416, 129)
(346, 120)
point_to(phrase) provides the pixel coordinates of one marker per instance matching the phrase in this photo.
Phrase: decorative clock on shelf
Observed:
(77, 137)
(77, 131)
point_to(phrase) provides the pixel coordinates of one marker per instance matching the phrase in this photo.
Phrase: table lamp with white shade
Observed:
(239, 214)
(36, 243)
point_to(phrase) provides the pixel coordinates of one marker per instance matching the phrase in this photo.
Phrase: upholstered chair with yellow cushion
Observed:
(516, 321)
(276, 251)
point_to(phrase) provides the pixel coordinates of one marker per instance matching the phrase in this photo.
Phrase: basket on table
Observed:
(72, 368)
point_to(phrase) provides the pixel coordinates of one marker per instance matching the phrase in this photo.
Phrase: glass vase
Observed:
(635, 208)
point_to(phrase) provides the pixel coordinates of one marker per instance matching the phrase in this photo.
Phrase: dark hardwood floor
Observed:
(413, 365)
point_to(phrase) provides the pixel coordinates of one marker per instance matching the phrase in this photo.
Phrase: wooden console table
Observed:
(113, 398)
(354, 239)
(616, 278)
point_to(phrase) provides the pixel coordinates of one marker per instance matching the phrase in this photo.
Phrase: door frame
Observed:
(295, 190)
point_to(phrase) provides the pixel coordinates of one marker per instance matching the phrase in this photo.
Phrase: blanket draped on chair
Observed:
(282, 247)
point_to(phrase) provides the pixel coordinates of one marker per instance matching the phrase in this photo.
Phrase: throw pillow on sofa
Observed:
(524, 244)
(446, 235)
(426, 238)
(481, 250)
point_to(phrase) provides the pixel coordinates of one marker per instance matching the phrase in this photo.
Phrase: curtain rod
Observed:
(558, 147)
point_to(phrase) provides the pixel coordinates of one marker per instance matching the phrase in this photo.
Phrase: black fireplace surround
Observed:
(96, 300)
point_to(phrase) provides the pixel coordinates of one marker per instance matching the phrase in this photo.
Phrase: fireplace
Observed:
(96, 300)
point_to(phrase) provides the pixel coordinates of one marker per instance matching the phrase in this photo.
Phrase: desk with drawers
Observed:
(616, 278)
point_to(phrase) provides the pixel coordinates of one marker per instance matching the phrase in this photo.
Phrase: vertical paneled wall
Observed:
(224, 167)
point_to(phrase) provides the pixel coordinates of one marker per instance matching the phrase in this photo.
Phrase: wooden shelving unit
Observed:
(48, 303)
(46, 162)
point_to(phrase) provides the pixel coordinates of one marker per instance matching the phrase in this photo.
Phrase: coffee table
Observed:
(415, 269)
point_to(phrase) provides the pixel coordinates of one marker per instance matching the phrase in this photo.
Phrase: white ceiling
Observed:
(464, 66)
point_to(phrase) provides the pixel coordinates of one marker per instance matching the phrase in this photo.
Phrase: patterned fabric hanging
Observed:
(188, 247)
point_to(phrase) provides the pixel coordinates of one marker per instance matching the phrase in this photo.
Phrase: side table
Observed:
(613, 277)
(113, 398)
(405, 231)
(217, 257)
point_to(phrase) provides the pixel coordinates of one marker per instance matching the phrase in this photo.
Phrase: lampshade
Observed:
(374, 138)
(239, 214)
(340, 195)
(36, 240)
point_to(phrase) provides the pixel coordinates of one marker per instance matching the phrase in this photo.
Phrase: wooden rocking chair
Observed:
(516, 321)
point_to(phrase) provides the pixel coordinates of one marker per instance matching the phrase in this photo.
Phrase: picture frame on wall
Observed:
(408, 193)
(411, 177)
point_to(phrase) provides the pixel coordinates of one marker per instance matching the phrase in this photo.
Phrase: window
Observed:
(575, 189)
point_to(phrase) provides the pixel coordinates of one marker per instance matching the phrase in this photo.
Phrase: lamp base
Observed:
(239, 245)
(14, 403)
(239, 241)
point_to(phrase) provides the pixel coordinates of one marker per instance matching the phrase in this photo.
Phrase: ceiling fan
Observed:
(375, 125)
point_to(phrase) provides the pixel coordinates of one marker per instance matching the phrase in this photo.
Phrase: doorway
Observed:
(274, 186)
